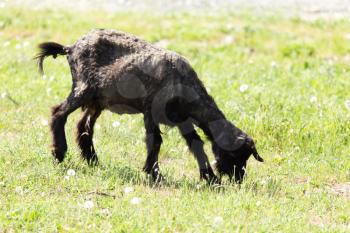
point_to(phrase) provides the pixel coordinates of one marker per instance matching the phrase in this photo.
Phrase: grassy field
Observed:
(285, 81)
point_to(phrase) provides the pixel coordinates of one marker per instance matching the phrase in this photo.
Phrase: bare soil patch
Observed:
(342, 189)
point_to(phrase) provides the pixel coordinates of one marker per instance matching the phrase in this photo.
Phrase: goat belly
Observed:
(120, 98)
(123, 109)
(121, 105)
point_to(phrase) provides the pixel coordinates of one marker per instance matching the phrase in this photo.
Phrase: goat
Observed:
(117, 71)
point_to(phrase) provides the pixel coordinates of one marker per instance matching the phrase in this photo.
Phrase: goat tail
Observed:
(49, 49)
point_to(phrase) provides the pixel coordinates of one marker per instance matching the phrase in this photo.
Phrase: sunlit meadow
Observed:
(283, 80)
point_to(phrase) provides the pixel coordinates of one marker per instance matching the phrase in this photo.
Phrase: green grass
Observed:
(298, 77)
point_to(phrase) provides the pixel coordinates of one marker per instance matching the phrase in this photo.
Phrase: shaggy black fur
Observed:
(124, 74)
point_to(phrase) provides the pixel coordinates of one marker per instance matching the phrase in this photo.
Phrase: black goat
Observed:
(117, 71)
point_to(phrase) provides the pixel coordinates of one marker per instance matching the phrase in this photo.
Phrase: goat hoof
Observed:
(57, 155)
(213, 181)
(157, 177)
(210, 177)
(93, 161)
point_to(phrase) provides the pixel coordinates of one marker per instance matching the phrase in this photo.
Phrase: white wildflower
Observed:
(19, 190)
(71, 172)
(135, 200)
(91, 226)
(116, 124)
(128, 190)
(243, 87)
(218, 220)
(258, 203)
(88, 204)
(273, 64)
(66, 177)
(227, 40)
(25, 43)
(313, 99)
(347, 104)
(45, 122)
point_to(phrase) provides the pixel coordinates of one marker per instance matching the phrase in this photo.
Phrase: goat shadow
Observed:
(126, 174)
(135, 176)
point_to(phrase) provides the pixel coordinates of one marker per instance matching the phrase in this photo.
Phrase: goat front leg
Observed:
(153, 142)
(58, 120)
(195, 144)
(85, 131)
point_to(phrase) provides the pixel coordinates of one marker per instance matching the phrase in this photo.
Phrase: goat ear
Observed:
(257, 156)
(255, 153)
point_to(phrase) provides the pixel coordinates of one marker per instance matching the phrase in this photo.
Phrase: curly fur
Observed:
(117, 71)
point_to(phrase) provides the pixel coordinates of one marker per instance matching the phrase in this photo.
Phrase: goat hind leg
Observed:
(85, 130)
(153, 142)
(58, 120)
